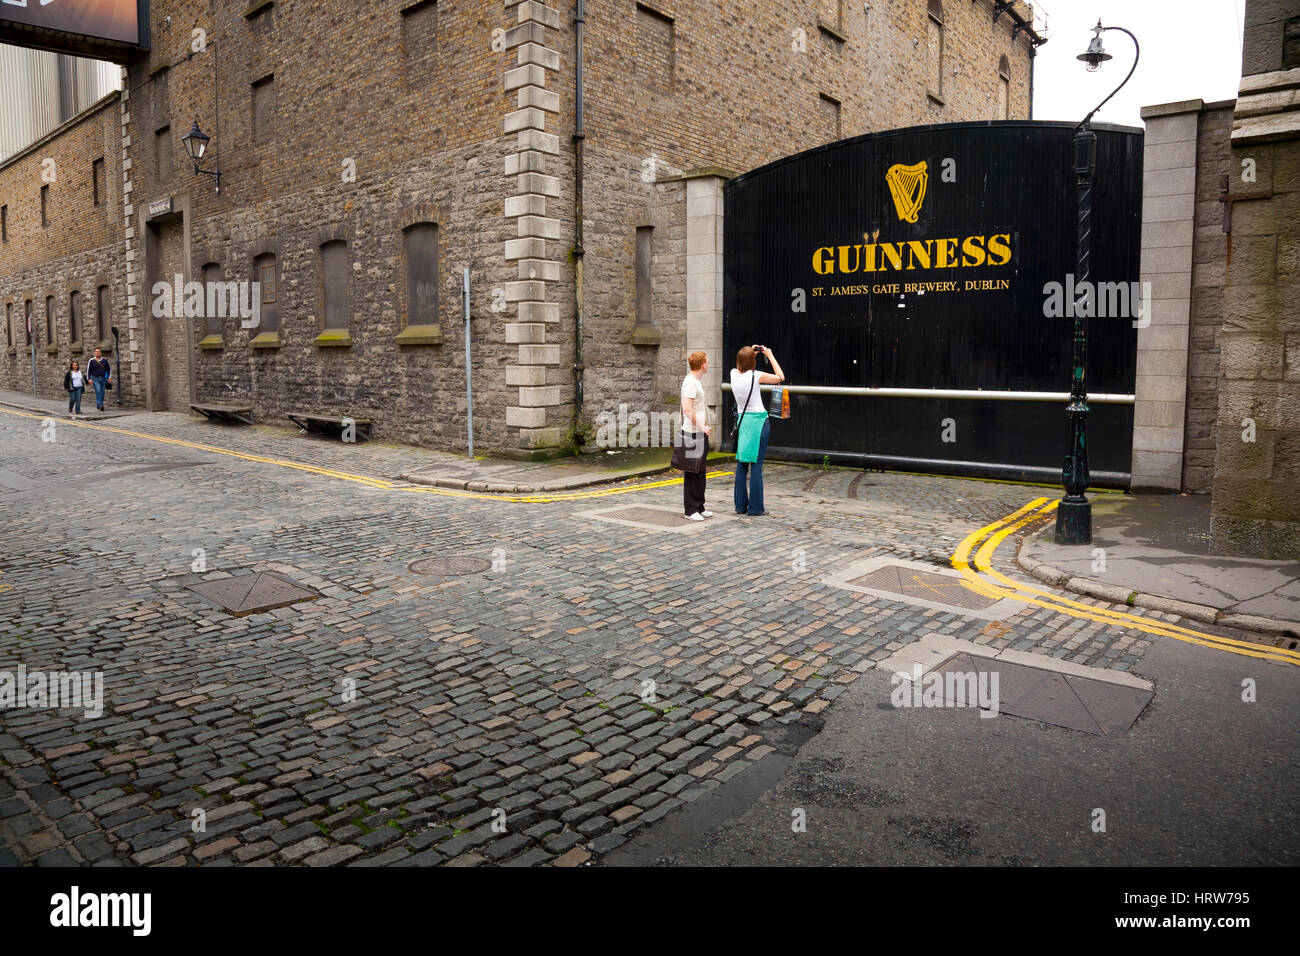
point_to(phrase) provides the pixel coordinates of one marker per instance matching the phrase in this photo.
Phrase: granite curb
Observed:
(1116, 594)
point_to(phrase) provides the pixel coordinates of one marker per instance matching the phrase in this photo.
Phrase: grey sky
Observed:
(1191, 49)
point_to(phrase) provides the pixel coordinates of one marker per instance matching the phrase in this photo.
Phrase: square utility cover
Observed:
(250, 593)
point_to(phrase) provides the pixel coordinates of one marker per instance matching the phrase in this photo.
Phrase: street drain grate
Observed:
(911, 583)
(250, 593)
(449, 567)
(1062, 700)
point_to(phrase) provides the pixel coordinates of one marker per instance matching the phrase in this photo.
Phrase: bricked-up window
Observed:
(655, 53)
(1004, 89)
(420, 39)
(103, 320)
(334, 270)
(211, 276)
(934, 48)
(74, 318)
(829, 108)
(263, 108)
(49, 319)
(97, 180)
(267, 277)
(162, 150)
(644, 289)
(421, 246)
(45, 205)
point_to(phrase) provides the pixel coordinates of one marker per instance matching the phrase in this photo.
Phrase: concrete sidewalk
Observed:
(57, 407)
(1155, 553)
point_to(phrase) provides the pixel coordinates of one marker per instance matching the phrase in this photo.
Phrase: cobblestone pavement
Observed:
(415, 719)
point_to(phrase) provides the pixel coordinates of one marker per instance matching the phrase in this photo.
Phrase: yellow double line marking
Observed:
(981, 576)
(381, 483)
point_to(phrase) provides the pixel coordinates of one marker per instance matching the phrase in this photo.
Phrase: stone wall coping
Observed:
(1276, 80)
(1172, 109)
(700, 173)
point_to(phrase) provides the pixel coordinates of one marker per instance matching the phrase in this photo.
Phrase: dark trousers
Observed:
(693, 485)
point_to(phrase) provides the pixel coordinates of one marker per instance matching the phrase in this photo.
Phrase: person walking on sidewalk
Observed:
(692, 451)
(754, 428)
(101, 374)
(74, 383)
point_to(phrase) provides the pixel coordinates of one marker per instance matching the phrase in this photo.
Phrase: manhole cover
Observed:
(251, 593)
(1063, 700)
(912, 583)
(449, 567)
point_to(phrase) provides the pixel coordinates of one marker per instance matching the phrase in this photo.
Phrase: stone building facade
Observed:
(369, 155)
(1218, 386)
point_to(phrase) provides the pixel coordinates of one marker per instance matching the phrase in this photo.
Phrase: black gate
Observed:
(898, 275)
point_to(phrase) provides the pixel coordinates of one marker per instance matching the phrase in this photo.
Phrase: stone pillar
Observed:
(528, 207)
(1168, 221)
(1256, 499)
(132, 335)
(704, 279)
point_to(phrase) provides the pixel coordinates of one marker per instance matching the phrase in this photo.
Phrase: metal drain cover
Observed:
(250, 593)
(911, 583)
(450, 567)
(1063, 700)
(654, 516)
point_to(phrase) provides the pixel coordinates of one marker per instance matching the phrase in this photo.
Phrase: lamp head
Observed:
(1095, 55)
(196, 142)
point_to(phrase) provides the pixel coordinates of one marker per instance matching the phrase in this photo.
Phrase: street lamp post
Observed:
(1074, 514)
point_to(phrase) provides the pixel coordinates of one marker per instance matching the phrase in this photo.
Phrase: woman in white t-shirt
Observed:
(755, 429)
(75, 383)
(695, 438)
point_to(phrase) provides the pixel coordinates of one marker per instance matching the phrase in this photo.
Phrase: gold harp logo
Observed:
(907, 186)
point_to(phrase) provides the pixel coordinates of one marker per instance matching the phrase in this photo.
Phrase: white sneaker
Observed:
(695, 517)
(706, 514)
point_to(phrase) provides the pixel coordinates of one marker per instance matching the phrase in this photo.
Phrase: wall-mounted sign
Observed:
(103, 27)
(160, 207)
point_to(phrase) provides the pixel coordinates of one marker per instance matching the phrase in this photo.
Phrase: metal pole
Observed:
(1074, 515)
(469, 383)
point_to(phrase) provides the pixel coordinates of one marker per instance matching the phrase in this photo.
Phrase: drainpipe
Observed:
(579, 135)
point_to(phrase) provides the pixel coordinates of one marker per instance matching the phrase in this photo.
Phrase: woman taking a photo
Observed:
(751, 442)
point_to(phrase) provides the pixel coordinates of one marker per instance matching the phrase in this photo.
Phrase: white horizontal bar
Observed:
(1104, 398)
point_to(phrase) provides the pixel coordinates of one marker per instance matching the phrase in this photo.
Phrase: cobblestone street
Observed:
(593, 678)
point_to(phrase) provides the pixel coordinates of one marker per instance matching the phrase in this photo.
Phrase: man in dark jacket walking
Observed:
(101, 374)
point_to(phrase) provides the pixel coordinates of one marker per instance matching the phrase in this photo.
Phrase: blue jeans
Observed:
(749, 478)
(74, 398)
(98, 382)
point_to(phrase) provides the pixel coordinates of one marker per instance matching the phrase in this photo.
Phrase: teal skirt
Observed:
(751, 432)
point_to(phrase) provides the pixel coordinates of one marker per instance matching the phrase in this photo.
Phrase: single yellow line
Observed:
(381, 483)
(1008, 525)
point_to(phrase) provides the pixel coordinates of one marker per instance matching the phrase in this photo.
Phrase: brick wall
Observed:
(79, 249)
